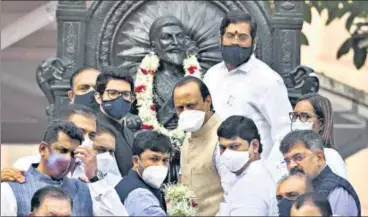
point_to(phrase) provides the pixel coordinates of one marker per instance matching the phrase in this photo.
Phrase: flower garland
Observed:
(180, 200)
(144, 93)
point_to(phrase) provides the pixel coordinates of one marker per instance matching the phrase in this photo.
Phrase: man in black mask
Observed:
(82, 87)
(244, 85)
(114, 94)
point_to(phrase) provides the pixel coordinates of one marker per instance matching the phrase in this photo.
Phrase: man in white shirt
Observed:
(244, 85)
(253, 192)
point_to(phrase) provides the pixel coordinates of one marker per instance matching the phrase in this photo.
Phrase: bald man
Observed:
(290, 188)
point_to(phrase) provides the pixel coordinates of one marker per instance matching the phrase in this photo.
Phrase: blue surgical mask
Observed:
(285, 206)
(87, 99)
(234, 55)
(117, 108)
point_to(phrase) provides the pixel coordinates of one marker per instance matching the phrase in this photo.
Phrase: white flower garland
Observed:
(144, 93)
(180, 200)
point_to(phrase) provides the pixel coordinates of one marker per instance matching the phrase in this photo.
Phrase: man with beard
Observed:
(82, 87)
(57, 151)
(303, 149)
(244, 85)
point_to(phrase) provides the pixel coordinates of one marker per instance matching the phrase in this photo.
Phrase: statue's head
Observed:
(168, 39)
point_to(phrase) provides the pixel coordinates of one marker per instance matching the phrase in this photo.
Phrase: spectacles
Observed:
(302, 116)
(114, 94)
(242, 38)
(297, 158)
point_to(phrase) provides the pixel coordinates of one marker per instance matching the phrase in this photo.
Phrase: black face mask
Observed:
(285, 206)
(87, 99)
(117, 108)
(234, 55)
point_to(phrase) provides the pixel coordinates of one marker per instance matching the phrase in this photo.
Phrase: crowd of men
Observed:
(246, 153)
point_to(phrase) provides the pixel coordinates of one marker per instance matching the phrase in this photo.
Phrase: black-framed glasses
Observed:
(302, 116)
(114, 94)
(297, 158)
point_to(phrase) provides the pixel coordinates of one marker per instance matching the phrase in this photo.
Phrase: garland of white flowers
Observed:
(144, 93)
(180, 200)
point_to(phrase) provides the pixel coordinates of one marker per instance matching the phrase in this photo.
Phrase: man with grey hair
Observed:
(289, 188)
(303, 150)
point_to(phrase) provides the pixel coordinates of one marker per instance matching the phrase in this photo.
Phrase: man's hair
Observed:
(301, 174)
(163, 21)
(77, 72)
(52, 131)
(240, 126)
(323, 109)
(71, 109)
(49, 192)
(202, 87)
(308, 138)
(315, 199)
(151, 140)
(238, 17)
(110, 73)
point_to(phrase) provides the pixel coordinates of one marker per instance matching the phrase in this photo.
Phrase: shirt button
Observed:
(187, 161)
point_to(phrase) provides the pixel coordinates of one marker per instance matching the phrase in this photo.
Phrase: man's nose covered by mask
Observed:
(285, 206)
(191, 120)
(87, 99)
(117, 108)
(236, 55)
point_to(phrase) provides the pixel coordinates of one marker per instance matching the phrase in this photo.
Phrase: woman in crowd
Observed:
(314, 112)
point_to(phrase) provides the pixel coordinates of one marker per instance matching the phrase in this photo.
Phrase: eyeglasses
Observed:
(297, 158)
(114, 94)
(242, 38)
(303, 116)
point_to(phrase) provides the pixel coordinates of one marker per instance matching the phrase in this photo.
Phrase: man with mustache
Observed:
(303, 149)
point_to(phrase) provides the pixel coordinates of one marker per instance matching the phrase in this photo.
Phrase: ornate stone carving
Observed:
(288, 5)
(47, 73)
(70, 44)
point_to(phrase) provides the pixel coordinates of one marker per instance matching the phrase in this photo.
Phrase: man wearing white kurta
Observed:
(244, 85)
(253, 192)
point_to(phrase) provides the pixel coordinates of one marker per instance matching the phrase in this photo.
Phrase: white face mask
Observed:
(87, 142)
(298, 125)
(154, 175)
(106, 163)
(234, 160)
(191, 120)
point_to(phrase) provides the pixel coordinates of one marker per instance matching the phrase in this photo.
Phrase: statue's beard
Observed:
(176, 58)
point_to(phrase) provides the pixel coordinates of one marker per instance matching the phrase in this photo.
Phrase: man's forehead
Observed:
(189, 91)
(171, 29)
(239, 28)
(83, 121)
(151, 153)
(118, 84)
(87, 76)
(297, 148)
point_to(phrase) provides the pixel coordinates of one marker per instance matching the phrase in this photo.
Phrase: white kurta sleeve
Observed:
(105, 199)
(275, 107)
(8, 201)
(25, 163)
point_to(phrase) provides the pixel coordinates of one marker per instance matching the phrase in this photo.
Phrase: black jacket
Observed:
(124, 142)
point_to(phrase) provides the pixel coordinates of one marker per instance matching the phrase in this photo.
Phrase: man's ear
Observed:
(42, 149)
(135, 160)
(254, 43)
(98, 98)
(71, 96)
(320, 157)
(208, 101)
(255, 146)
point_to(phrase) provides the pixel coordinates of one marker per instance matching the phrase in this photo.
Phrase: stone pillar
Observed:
(71, 19)
(287, 22)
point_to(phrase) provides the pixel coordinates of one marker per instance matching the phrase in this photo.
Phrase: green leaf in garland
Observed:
(344, 49)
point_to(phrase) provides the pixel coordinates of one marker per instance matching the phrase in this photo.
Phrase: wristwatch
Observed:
(99, 175)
